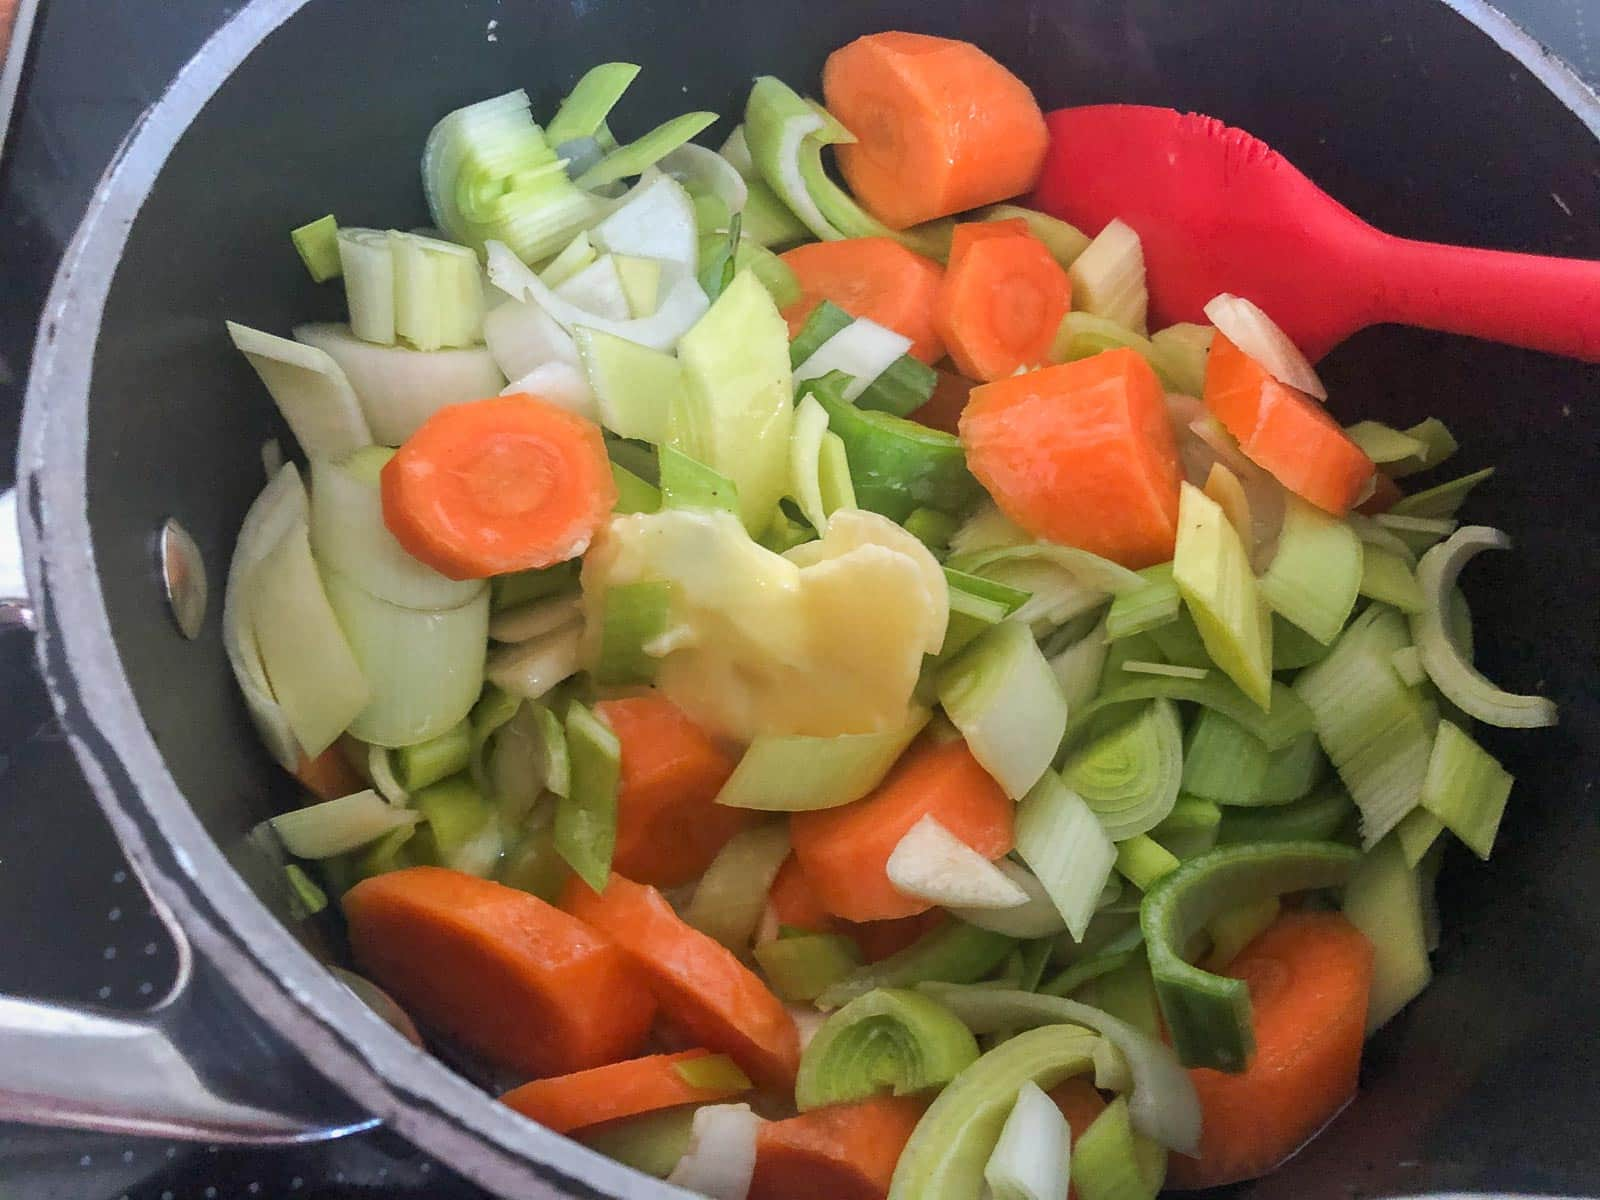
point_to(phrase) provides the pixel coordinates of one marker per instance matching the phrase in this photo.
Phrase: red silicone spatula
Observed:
(1220, 211)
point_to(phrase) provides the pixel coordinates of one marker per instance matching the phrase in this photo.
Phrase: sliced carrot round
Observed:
(840, 1152)
(498, 485)
(1001, 302)
(940, 126)
(793, 901)
(876, 278)
(614, 1091)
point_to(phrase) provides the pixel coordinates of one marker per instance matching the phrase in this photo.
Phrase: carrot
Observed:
(1081, 454)
(969, 233)
(1386, 494)
(841, 1152)
(498, 485)
(701, 987)
(669, 826)
(616, 1090)
(876, 278)
(1309, 974)
(877, 940)
(508, 976)
(329, 775)
(1080, 1104)
(1002, 300)
(845, 851)
(944, 408)
(941, 127)
(1284, 431)
(793, 902)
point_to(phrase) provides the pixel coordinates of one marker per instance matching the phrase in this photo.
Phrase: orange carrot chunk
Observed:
(1002, 300)
(793, 901)
(329, 775)
(1285, 431)
(1081, 454)
(669, 826)
(1309, 974)
(876, 278)
(498, 485)
(949, 400)
(519, 982)
(701, 987)
(940, 126)
(845, 851)
(841, 1152)
(614, 1091)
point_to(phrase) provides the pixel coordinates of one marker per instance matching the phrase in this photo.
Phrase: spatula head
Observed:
(1217, 210)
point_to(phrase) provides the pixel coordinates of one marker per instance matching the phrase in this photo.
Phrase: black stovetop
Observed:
(77, 927)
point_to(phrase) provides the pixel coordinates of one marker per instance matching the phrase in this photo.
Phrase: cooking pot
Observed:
(1434, 120)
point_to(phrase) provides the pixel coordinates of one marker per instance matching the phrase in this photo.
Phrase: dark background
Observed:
(75, 926)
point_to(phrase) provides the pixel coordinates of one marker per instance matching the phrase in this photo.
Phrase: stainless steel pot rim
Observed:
(184, 869)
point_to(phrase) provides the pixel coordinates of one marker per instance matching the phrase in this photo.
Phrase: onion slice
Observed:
(931, 863)
(1255, 333)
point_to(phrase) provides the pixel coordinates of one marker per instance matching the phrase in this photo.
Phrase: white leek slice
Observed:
(536, 619)
(776, 123)
(1003, 697)
(335, 826)
(1037, 918)
(521, 336)
(438, 292)
(1079, 667)
(704, 167)
(731, 895)
(425, 667)
(721, 1158)
(281, 506)
(315, 673)
(986, 529)
(598, 289)
(1255, 333)
(558, 383)
(1108, 278)
(1063, 842)
(654, 220)
(683, 305)
(931, 863)
(805, 460)
(348, 535)
(635, 389)
(1448, 666)
(1031, 1160)
(310, 391)
(399, 388)
(367, 264)
(862, 349)
(530, 669)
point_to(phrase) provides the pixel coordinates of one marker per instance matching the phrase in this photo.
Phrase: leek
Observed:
(1438, 442)
(1064, 241)
(633, 617)
(1190, 828)
(461, 827)
(1407, 663)
(1223, 761)
(1143, 608)
(1208, 1015)
(954, 1141)
(718, 263)
(1108, 278)
(801, 968)
(1162, 1102)
(863, 350)
(493, 711)
(1078, 668)
(634, 495)
(1062, 841)
(597, 289)
(310, 390)
(827, 321)
(529, 756)
(579, 253)
(731, 895)
(798, 774)
(337, 826)
(584, 110)
(586, 818)
(1417, 534)
(1317, 572)
(1083, 335)
(1384, 444)
(1443, 499)
(775, 275)
(426, 763)
(1387, 577)
(805, 461)
(367, 263)
(317, 243)
(1287, 720)
(1117, 953)
(931, 863)
(1141, 667)
(721, 1155)
(833, 475)
(523, 587)
(1112, 1162)
(951, 953)
(1384, 901)
(1317, 818)
(641, 282)
(1293, 647)
(976, 604)
(1448, 665)
(1144, 862)
(1038, 916)
(1292, 771)
(1233, 929)
(1128, 994)
(640, 155)
(888, 1038)
(1031, 1159)
(306, 899)
(1129, 775)
(1417, 834)
(1065, 582)
(1259, 338)
(701, 169)
(688, 483)
(1183, 349)
(489, 174)
(931, 528)
(1466, 789)
(1213, 573)
(535, 619)
(652, 1143)
(1002, 695)
(656, 220)
(438, 293)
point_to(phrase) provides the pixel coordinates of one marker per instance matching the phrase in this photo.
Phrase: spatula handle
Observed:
(1550, 304)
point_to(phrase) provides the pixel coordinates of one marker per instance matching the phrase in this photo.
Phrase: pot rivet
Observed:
(183, 573)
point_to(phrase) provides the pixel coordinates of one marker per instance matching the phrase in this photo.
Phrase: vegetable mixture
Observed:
(858, 714)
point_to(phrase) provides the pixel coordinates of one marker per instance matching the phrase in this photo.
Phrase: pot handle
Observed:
(197, 1065)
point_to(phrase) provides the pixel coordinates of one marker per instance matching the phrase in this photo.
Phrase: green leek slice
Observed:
(1466, 789)
(640, 155)
(310, 390)
(1147, 607)
(1002, 695)
(461, 831)
(799, 774)
(336, 826)
(1317, 572)
(652, 1143)
(636, 389)
(1130, 774)
(633, 616)
(889, 1038)
(1387, 576)
(586, 819)
(953, 953)
(586, 106)
(686, 482)
(1384, 444)
(732, 894)
(426, 763)
(1112, 1162)
(317, 243)
(1183, 349)
(1190, 828)
(1288, 718)
(1213, 572)
(1317, 818)
(1144, 862)
(1443, 499)
(1064, 844)
(1384, 901)
(801, 968)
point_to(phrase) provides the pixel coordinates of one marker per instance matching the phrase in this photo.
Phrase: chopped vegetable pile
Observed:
(857, 713)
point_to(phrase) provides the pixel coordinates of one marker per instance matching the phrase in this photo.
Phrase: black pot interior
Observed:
(1404, 111)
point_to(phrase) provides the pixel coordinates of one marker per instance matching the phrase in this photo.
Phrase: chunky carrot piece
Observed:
(614, 1091)
(519, 982)
(329, 775)
(498, 485)
(845, 851)
(669, 826)
(1285, 431)
(949, 400)
(969, 233)
(1001, 302)
(877, 940)
(1309, 975)
(701, 987)
(1081, 454)
(1080, 1104)
(841, 1152)
(876, 278)
(940, 126)
(793, 901)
